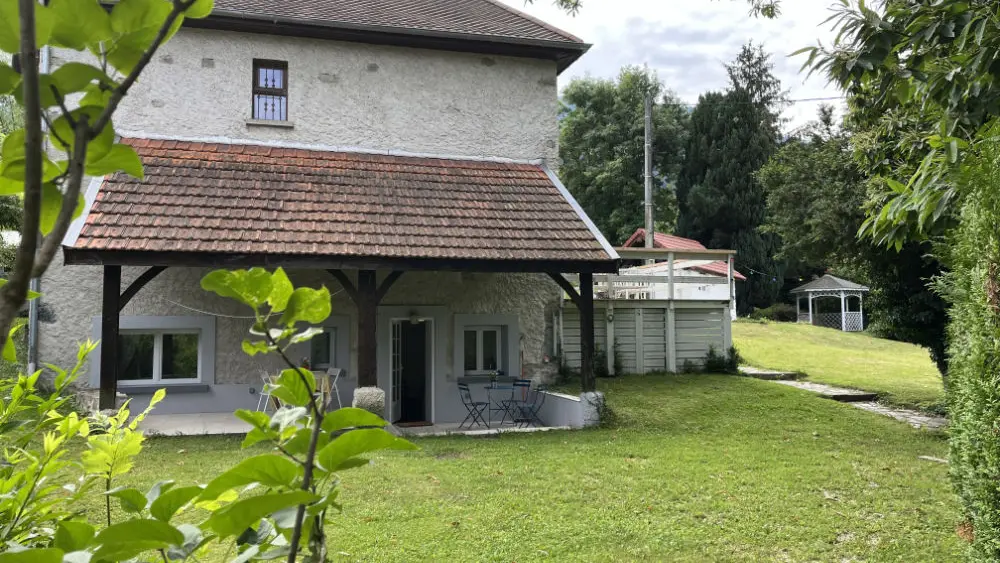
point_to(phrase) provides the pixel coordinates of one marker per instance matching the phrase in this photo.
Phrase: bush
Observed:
(972, 288)
(601, 363)
(780, 312)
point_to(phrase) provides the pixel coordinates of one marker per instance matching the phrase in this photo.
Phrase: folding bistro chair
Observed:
(529, 410)
(475, 408)
(518, 398)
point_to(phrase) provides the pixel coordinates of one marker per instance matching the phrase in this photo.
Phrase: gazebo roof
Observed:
(829, 283)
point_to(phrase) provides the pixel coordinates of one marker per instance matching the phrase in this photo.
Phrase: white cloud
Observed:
(687, 42)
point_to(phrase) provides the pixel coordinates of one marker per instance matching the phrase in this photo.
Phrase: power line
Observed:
(725, 101)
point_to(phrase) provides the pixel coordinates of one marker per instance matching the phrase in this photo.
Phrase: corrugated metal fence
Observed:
(650, 336)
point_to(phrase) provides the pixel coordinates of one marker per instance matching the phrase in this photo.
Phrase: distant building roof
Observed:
(829, 283)
(673, 242)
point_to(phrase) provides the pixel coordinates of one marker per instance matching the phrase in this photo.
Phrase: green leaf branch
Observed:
(125, 39)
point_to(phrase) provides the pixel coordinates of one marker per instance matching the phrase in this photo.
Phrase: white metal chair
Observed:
(333, 375)
(264, 397)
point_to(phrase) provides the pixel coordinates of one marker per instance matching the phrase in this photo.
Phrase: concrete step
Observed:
(850, 396)
(769, 375)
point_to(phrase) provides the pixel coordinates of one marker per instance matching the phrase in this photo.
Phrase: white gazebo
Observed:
(850, 317)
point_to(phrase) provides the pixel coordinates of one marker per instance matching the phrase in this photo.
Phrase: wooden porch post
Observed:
(367, 339)
(109, 336)
(586, 306)
(366, 297)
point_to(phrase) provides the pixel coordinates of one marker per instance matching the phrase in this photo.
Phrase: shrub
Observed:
(780, 312)
(601, 363)
(972, 288)
(721, 363)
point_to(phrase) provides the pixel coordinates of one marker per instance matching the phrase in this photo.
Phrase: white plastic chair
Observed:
(334, 374)
(264, 397)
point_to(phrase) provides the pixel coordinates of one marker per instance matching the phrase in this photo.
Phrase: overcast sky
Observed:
(687, 42)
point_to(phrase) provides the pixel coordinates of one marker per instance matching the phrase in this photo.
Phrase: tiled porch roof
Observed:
(251, 199)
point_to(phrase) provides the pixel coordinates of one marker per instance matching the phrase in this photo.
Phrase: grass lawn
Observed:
(692, 468)
(901, 373)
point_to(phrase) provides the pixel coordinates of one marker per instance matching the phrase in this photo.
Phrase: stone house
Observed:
(400, 152)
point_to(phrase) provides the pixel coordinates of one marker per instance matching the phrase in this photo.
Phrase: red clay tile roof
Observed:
(673, 242)
(487, 19)
(249, 199)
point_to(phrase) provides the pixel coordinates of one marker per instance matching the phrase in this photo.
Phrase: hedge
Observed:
(972, 289)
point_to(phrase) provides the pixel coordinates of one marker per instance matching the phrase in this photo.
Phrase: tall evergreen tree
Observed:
(601, 147)
(722, 204)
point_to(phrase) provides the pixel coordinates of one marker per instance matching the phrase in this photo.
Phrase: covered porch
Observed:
(410, 248)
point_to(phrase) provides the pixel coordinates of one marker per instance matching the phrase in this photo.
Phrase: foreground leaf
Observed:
(334, 455)
(232, 520)
(132, 537)
(47, 555)
(270, 470)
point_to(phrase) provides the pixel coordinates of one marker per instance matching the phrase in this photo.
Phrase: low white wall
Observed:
(560, 409)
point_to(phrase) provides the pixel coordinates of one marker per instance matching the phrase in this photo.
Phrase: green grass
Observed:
(693, 468)
(900, 373)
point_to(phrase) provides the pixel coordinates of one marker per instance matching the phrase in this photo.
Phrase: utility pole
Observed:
(649, 171)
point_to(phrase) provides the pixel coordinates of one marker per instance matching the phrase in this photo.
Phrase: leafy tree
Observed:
(602, 149)
(939, 56)
(722, 204)
(815, 193)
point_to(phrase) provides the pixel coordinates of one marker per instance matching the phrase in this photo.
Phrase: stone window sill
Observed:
(171, 389)
(270, 123)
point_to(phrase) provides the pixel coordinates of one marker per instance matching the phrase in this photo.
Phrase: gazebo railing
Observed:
(853, 321)
(829, 320)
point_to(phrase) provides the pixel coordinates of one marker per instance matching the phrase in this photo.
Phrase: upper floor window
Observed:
(270, 90)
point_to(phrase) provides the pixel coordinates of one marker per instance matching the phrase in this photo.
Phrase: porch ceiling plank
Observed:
(92, 257)
(137, 284)
(346, 283)
(383, 287)
(566, 286)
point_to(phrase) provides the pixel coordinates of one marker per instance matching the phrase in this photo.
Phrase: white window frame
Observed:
(158, 358)
(145, 324)
(479, 348)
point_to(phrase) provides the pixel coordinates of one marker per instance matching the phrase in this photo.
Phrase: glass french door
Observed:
(396, 385)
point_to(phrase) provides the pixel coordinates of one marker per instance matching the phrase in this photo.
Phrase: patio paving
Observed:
(204, 424)
(452, 429)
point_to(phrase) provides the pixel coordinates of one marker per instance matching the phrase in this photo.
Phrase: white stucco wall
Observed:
(74, 293)
(349, 95)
